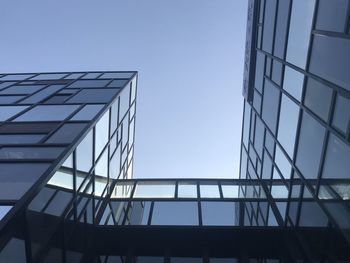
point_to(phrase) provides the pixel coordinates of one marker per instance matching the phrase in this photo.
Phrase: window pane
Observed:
(155, 190)
(124, 102)
(16, 77)
(114, 165)
(329, 59)
(187, 190)
(293, 82)
(49, 76)
(341, 118)
(94, 96)
(277, 72)
(28, 89)
(84, 154)
(318, 98)
(218, 213)
(62, 179)
(30, 152)
(259, 137)
(67, 133)
(337, 162)
(279, 191)
(87, 113)
(20, 138)
(101, 136)
(101, 168)
(4, 209)
(122, 190)
(269, 25)
(246, 124)
(310, 145)
(281, 28)
(209, 191)
(175, 213)
(149, 260)
(185, 260)
(332, 15)
(230, 191)
(13, 252)
(91, 75)
(118, 83)
(42, 94)
(96, 83)
(270, 105)
(282, 163)
(7, 112)
(267, 167)
(287, 127)
(117, 75)
(299, 31)
(312, 215)
(9, 99)
(259, 71)
(48, 113)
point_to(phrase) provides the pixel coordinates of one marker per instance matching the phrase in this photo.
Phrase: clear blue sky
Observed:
(189, 54)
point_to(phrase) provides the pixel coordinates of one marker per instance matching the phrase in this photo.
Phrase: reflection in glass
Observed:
(62, 179)
(7, 112)
(101, 136)
(187, 190)
(122, 190)
(4, 209)
(154, 190)
(175, 213)
(209, 191)
(229, 191)
(84, 154)
(218, 213)
(48, 113)
(341, 117)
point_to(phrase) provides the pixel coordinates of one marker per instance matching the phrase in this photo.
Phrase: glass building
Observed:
(66, 156)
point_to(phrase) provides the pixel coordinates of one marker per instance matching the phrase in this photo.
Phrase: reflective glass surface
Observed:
(209, 191)
(187, 190)
(175, 213)
(155, 190)
(101, 136)
(48, 113)
(293, 82)
(341, 116)
(7, 112)
(270, 105)
(87, 113)
(218, 213)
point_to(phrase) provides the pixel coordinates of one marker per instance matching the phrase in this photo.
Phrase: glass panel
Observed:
(270, 105)
(246, 124)
(133, 89)
(277, 72)
(101, 136)
(94, 96)
(67, 133)
(84, 154)
(209, 191)
(48, 113)
(329, 59)
(332, 15)
(310, 146)
(6, 84)
(59, 203)
(13, 252)
(148, 260)
(279, 191)
(4, 209)
(175, 213)
(30, 152)
(57, 99)
(259, 71)
(20, 138)
(187, 190)
(91, 75)
(223, 260)
(283, 163)
(139, 213)
(218, 213)
(281, 28)
(185, 260)
(42, 94)
(95, 83)
(341, 117)
(269, 143)
(117, 75)
(293, 82)
(230, 191)
(122, 190)
(318, 98)
(259, 137)
(267, 167)
(124, 102)
(311, 215)
(87, 113)
(101, 168)
(62, 179)
(299, 32)
(155, 190)
(74, 75)
(114, 116)
(28, 89)
(9, 99)
(114, 166)
(288, 122)
(7, 112)
(118, 83)
(16, 77)
(337, 161)
(49, 76)
(269, 25)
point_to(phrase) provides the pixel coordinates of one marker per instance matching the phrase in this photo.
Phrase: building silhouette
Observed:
(66, 155)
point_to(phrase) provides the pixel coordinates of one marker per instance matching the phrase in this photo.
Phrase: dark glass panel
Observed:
(318, 98)
(49, 76)
(48, 113)
(9, 99)
(84, 154)
(257, 101)
(94, 96)
(67, 133)
(312, 215)
(175, 213)
(185, 260)
(341, 116)
(277, 72)
(15, 77)
(270, 105)
(246, 123)
(269, 25)
(23, 128)
(20, 138)
(148, 260)
(59, 203)
(330, 59)
(259, 137)
(87, 113)
(27, 89)
(96, 83)
(267, 167)
(118, 83)
(42, 94)
(117, 75)
(7, 112)
(337, 161)
(310, 145)
(332, 15)
(269, 143)
(30, 152)
(57, 99)
(218, 213)
(13, 252)
(259, 71)
(281, 28)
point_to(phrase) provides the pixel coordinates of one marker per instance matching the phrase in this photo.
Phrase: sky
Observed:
(189, 55)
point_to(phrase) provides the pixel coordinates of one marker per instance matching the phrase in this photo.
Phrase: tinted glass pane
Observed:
(312, 215)
(84, 154)
(282, 163)
(259, 137)
(30, 152)
(269, 22)
(277, 72)
(9, 99)
(149, 260)
(269, 143)
(175, 213)
(124, 102)
(101, 136)
(218, 213)
(293, 82)
(341, 117)
(337, 162)
(332, 15)
(155, 189)
(329, 59)
(318, 98)
(16, 77)
(91, 75)
(87, 113)
(28, 89)
(96, 83)
(230, 191)
(20, 138)
(74, 75)
(67, 133)
(270, 105)
(299, 32)
(48, 113)
(37, 97)
(209, 191)
(7, 112)
(246, 124)
(118, 83)
(94, 96)
(259, 71)
(13, 252)
(49, 76)
(16, 178)
(57, 99)
(287, 127)
(267, 167)
(117, 75)
(281, 28)
(310, 145)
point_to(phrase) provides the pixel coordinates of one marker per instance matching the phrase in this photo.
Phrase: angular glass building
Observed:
(66, 157)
